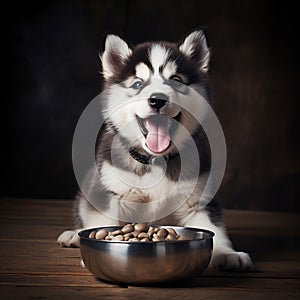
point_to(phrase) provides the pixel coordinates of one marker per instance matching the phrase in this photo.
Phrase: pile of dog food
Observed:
(137, 232)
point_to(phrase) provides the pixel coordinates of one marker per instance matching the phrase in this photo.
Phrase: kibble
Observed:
(143, 235)
(101, 234)
(117, 232)
(157, 238)
(141, 227)
(162, 233)
(92, 234)
(118, 237)
(127, 228)
(138, 232)
(150, 231)
(172, 231)
(182, 238)
(171, 237)
(134, 240)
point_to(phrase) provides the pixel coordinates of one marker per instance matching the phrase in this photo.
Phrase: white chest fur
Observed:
(154, 184)
(161, 195)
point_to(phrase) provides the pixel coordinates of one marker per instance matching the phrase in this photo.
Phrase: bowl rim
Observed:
(210, 235)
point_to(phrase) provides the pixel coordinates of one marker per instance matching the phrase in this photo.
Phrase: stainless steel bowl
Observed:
(147, 262)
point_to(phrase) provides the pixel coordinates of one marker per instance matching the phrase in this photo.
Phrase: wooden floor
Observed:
(33, 266)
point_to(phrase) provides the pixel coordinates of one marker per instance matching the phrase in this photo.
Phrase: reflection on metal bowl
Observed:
(147, 262)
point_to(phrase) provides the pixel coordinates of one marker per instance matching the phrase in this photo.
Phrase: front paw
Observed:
(69, 239)
(233, 261)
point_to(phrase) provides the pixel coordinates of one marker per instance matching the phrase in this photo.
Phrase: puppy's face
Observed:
(149, 90)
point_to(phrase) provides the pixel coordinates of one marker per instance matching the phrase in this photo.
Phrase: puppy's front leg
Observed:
(90, 219)
(224, 257)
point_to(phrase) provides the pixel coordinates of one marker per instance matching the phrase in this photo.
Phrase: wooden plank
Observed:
(245, 219)
(34, 266)
(31, 231)
(56, 280)
(217, 291)
(19, 256)
(17, 207)
(77, 280)
(38, 256)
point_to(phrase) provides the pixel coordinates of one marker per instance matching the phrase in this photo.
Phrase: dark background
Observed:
(50, 73)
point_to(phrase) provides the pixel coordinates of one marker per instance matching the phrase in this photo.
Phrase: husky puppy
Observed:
(149, 123)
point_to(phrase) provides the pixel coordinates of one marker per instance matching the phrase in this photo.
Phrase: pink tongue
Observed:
(158, 139)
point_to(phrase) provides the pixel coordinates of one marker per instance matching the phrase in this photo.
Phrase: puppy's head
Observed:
(148, 90)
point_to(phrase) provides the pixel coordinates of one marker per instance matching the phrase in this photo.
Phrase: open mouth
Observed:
(157, 130)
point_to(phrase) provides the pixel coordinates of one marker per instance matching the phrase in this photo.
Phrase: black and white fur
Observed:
(129, 73)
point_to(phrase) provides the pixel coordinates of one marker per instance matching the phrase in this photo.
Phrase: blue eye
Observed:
(138, 85)
(176, 80)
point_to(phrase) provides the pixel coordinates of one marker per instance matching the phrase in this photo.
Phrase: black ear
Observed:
(115, 53)
(195, 47)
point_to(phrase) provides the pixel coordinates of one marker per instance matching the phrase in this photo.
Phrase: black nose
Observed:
(158, 100)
